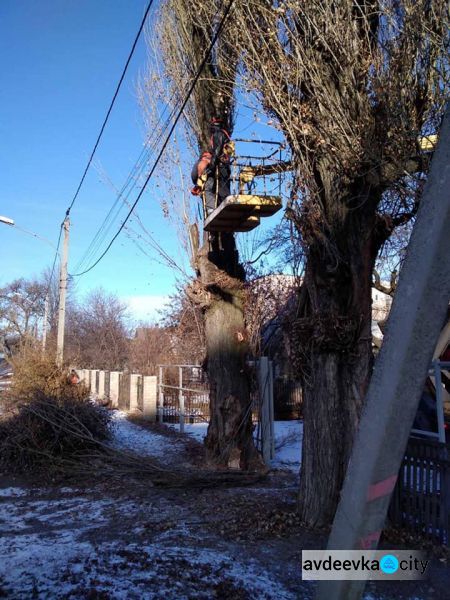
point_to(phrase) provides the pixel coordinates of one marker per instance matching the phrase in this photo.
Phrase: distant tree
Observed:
(151, 346)
(97, 332)
(21, 309)
(184, 320)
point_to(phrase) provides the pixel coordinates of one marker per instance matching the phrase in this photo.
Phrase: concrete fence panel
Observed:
(93, 387)
(101, 385)
(149, 397)
(114, 379)
(134, 387)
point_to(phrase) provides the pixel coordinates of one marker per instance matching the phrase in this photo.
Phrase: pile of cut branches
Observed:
(51, 435)
(49, 431)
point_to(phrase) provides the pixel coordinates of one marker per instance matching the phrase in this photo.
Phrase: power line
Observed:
(180, 112)
(131, 180)
(110, 106)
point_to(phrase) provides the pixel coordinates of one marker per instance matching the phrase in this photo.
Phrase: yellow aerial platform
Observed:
(241, 212)
(428, 142)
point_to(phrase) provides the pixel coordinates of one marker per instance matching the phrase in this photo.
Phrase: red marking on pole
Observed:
(382, 488)
(370, 541)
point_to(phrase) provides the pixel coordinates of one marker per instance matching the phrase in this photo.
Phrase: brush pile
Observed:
(50, 427)
(50, 436)
(49, 433)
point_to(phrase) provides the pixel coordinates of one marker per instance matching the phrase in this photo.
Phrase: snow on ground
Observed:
(15, 492)
(195, 430)
(129, 436)
(124, 542)
(70, 548)
(67, 543)
(288, 442)
(288, 445)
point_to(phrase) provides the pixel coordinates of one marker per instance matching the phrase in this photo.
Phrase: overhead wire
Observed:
(166, 141)
(132, 178)
(124, 71)
(134, 175)
(105, 121)
(149, 239)
(54, 261)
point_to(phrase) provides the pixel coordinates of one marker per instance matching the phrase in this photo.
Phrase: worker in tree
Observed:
(211, 173)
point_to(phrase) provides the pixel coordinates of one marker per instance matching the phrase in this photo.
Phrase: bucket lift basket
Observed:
(243, 210)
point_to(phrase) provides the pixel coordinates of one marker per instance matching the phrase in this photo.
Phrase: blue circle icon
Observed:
(389, 563)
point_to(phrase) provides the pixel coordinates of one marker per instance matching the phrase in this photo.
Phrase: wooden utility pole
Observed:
(62, 294)
(416, 319)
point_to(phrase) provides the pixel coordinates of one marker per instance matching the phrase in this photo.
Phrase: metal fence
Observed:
(288, 399)
(183, 393)
(193, 394)
(421, 499)
(184, 397)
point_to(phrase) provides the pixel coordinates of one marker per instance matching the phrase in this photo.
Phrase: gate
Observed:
(183, 395)
(421, 499)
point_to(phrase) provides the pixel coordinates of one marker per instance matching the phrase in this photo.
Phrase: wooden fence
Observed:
(421, 499)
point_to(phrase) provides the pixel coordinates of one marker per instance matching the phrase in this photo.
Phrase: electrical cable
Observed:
(134, 175)
(166, 141)
(110, 107)
(54, 261)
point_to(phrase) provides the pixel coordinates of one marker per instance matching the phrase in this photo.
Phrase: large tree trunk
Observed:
(220, 289)
(334, 338)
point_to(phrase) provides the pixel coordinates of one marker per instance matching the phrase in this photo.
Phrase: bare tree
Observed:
(151, 346)
(21, 309)
(354, 86)
(97, 334)
(187, 29)
(184, 320)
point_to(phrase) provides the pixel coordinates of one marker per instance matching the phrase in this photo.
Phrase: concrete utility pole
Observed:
(44, 327)
(62, 294)
(416, 318)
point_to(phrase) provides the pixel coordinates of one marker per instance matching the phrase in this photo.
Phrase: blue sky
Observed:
(60, 61)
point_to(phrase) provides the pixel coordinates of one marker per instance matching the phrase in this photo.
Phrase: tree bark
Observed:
(334, 334)
(229, 441)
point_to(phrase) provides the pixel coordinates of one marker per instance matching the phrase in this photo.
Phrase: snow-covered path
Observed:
(132, 437)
